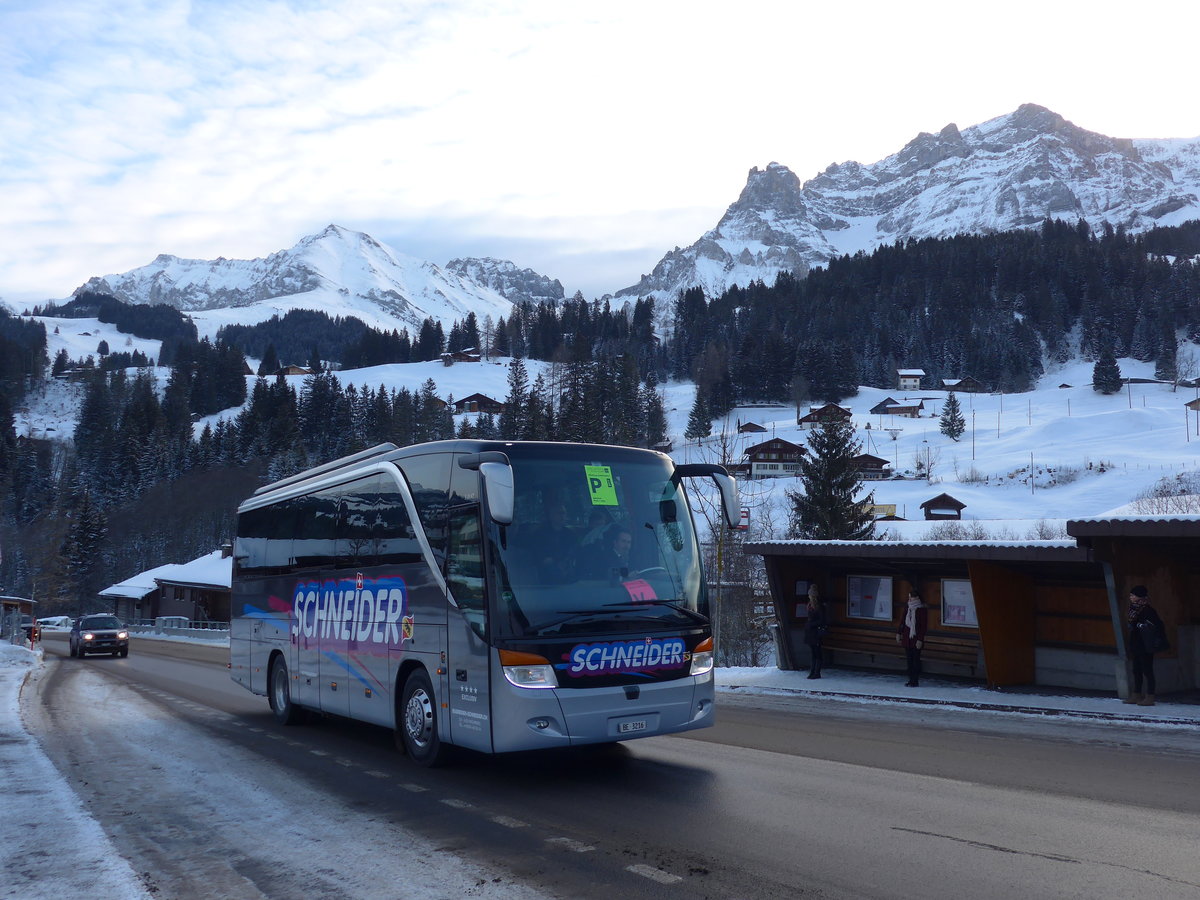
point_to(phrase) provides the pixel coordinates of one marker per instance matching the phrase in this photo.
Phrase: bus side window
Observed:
(429, 480)
(393, 538)
(354, 523)
(464, 552)
(316, 529)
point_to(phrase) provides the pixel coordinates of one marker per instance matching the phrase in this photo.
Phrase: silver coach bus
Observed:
(492, 595)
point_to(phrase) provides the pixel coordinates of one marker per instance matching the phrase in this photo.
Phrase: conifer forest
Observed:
(137, 485)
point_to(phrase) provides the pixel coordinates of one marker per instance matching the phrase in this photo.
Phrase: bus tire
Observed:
(280, 694)
(417, 721)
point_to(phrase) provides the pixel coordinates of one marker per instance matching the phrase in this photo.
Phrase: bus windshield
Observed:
(602, 542)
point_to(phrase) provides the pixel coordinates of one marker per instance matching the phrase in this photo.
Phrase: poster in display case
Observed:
(869, 597)
(958, 604)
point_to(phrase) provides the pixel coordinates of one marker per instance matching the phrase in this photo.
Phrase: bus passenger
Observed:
(555, 544)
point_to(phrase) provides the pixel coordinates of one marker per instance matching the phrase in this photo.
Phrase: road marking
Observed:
(457, 804)
(509, 822)
(375, 774)
(415, 788)
(568, 844)
(653, 874)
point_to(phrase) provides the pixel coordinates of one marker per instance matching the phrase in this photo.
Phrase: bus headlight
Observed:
(702, 658)
(527, 670)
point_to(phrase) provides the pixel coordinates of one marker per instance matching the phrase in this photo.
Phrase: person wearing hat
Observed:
(1146, 634)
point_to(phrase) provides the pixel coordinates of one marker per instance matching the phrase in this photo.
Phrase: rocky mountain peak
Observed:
(1011, 172)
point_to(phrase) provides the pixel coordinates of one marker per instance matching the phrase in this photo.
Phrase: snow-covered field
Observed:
(1090, 454)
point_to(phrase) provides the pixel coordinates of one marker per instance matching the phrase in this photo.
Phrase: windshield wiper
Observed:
(567, 617)
(671, 604)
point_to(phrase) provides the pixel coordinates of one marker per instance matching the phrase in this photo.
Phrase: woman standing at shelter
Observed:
(815, 627)
(911, 635)
(1147, 635)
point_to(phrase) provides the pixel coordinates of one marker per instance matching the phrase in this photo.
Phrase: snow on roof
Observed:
(910, 372)
(211, 570)
(138, 586)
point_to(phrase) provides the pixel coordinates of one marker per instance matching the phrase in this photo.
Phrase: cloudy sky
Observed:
(581, 139)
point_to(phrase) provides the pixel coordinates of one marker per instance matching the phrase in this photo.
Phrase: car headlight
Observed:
(528, 670)
(122, 635)
(702, 658)
(87, 636)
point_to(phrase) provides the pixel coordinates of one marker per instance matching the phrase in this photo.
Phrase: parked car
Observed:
(99, 633)
(56, 622)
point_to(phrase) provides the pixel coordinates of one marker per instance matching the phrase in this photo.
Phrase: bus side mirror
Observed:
(730, 503)
(498, 485)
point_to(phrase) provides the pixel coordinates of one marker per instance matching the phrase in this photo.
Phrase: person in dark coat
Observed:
(1146, 634)
(911, 635)
(814, 630)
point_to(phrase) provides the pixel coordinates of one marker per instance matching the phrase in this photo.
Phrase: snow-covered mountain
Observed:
(507, 280)
(1008, 173)
(338, 271)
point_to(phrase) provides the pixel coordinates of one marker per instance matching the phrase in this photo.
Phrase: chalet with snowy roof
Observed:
(816, 415)
(750, 428)
(775, 458)
(907, 409)
(469, 355)
(478, 403)
(871, 468)
(1044, 612)
(965, 385)
(909, 379)
(200, 590)
(881, 408)
(943, 506)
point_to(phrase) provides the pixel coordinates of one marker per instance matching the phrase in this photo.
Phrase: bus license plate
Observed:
(627, 727)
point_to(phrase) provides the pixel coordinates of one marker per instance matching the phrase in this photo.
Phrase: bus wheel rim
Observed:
(418, 718)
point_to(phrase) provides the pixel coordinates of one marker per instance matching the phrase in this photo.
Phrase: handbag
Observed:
(1152, 638)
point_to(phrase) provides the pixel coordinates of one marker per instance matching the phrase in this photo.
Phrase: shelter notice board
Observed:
(869, 597)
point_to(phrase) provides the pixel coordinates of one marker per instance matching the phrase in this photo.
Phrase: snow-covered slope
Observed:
(1011, 172)
(338, 271)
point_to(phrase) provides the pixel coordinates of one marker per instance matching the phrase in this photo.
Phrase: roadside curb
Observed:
(981, 705)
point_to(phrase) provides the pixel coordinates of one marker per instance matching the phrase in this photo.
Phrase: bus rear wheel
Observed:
(417, 722)
(279, 692)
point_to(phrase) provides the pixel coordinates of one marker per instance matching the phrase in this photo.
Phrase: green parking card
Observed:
(600, 485)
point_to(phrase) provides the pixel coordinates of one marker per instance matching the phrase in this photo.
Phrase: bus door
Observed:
(466, 626)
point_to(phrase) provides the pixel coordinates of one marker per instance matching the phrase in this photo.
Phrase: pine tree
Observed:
(1106, 374)
(952, 422)
(826, 508)
(699, 422)
(514, 421)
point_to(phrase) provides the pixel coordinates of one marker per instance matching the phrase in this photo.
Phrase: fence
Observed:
(180, 626)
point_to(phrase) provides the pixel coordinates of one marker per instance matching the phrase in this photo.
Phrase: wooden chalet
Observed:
(775, 458)
(964, 385)
(871, 468)
(819, 414)
(469, 355)
(906, 409)
(750, 428)
(478, 403)
(882, 407)
(943, 506)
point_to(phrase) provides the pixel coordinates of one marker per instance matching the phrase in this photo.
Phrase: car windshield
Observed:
(95, 622)
(602, 541)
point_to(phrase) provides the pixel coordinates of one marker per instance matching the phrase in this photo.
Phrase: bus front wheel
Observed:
(418, 721)
(280, 694)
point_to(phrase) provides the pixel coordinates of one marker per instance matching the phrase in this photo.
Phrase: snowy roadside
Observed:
(50, 846)
(53, 847)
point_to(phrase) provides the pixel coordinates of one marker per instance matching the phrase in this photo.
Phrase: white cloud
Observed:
(232, 128)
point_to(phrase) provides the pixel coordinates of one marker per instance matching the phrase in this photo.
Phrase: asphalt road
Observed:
(786, 797)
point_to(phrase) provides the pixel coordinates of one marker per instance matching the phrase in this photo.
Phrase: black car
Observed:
(100, 633)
